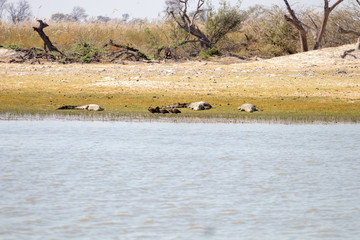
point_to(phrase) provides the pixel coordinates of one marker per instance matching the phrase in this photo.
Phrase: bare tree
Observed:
(2, 7)
(47, 43)
(103, 19)
(78, 14)
(349, 31)
(20, 12)
(171, 5)
(58, 17)
(327, 11)
(300, 26)
(125, 17)
(178, 10)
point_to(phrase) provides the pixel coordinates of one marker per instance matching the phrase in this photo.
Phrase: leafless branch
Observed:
(198, 10)
(313, 31)
(335, 4)
(298, 25)
(345, 31)
(181, 17)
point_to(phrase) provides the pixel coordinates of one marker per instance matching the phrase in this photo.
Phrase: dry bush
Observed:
(347, 17)
(264, 32)
(267, 33)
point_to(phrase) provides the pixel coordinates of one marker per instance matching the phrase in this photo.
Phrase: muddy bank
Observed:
(297, 85)
(241, 119)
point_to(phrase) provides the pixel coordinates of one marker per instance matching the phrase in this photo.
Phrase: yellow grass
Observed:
(65, 35)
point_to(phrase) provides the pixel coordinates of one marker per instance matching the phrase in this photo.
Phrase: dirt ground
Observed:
(323, 81)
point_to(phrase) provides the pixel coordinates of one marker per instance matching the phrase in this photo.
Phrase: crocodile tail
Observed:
(66, 107)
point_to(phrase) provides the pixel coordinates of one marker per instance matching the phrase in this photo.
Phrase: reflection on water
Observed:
(116, 180)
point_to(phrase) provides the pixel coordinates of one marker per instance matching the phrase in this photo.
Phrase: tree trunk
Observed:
(303, 40)
(47, 42)
(327, 11)
(302, 33)
(298, 25)
(323, 27)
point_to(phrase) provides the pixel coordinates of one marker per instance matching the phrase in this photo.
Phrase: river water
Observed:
(123, 180)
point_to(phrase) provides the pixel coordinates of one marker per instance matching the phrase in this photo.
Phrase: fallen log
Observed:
(128, 51)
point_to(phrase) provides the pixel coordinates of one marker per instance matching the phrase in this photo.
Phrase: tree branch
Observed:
(298, 25)
(182, 18)
(292, 13)
(127, 47)
(345, 31)
(198, 9)
(335, 4)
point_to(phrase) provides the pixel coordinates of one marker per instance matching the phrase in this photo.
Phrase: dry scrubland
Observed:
(305, 87)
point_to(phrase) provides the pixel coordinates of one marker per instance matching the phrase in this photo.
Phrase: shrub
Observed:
(84, 52)
(226, 20)
(12, 47)
(205, 53)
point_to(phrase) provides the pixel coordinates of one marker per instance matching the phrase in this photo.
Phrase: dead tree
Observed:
(181, 16)
(318, 34)
(47, 43)
(293, 20)
(327, 11)
(347, 31)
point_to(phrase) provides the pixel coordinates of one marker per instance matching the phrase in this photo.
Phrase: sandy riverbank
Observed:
(319, 85)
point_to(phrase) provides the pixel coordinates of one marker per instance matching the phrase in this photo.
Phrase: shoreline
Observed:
(241, 119)
(317, 86)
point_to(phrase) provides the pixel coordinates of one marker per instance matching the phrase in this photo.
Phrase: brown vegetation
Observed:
(263, 31)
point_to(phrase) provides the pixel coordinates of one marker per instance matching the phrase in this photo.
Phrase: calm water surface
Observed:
(120, 180)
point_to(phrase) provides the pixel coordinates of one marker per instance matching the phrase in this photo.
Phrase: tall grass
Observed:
(65, 35)
(264, 32)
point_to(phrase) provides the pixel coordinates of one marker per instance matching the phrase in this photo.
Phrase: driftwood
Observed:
(47, 43)
(128, 51)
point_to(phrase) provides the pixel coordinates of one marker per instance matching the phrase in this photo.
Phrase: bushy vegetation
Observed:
(85, 52)
(255, 31)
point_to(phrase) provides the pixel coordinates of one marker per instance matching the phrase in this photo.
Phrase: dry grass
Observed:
(65, 35)
(305, 91)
